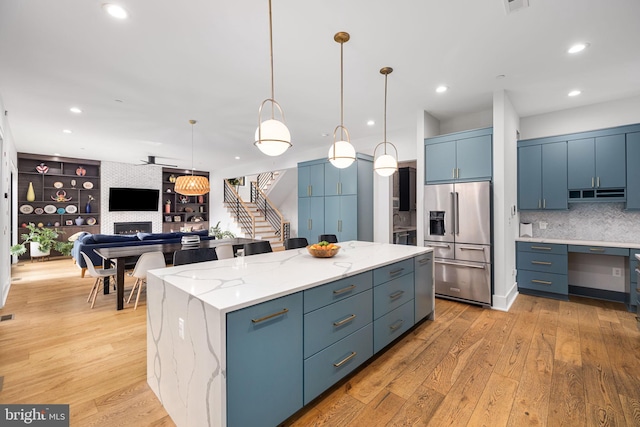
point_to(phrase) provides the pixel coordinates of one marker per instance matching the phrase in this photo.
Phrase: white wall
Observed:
(476, 120)
(9, 227)
(426, 127)
(505, 218)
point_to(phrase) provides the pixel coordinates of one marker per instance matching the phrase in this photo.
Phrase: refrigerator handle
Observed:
(453, 213)
(457, 213)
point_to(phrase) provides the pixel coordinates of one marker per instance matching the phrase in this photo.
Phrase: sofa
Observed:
(87, 242)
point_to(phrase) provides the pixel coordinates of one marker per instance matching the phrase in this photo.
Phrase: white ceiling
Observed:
(209, 60)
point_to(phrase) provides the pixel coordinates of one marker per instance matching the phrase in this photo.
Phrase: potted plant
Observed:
(219, 234)
(41, 241)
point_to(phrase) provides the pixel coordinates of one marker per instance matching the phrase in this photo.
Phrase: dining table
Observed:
(123, 255)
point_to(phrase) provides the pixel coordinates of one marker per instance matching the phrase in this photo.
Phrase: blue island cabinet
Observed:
(264, 362)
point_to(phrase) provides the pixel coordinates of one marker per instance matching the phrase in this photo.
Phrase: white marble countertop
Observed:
(580, 242)
(231, 284)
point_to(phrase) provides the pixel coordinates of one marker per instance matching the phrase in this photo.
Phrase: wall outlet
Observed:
(181, 327)
(543, 225)
(617, 272)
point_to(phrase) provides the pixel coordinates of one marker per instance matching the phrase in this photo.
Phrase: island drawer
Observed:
(392, 295)
(548, 248)
(550, 263)
(329, 324)
(599, 250)
(335, 291)
(397, 269)
(633, 264)
(323, 369)
(541, 281)
(392, 325)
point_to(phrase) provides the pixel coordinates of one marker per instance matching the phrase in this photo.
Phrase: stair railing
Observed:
(273, 216)
(238, 208)
(264, 179)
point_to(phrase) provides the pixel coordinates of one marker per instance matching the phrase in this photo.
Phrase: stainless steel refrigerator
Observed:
(458, 227)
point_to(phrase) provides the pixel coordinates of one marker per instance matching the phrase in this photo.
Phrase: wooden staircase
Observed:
(262, 229)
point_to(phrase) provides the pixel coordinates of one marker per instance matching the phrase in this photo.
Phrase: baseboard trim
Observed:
(504, 303)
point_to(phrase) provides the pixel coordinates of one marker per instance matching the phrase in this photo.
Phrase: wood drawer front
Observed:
(392, 325)
(546, 248)
(550, 263)
(330, 324)
(546, 282)
(389, 272)
(336, 291)
(599, 250)
(392, 295)
(320, 370)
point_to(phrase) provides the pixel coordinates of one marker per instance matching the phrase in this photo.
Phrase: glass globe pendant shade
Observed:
(342, 154)
(273, 137)
(385, 165)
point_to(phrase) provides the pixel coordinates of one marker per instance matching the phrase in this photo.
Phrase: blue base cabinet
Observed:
(264, 362)
(542, 269)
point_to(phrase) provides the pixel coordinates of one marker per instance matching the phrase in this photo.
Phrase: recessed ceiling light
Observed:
(56, 154)
(66, 131)
(442, 88)
(371, 122)
(237, 157)
(574, 93)
(115, 10)
(75, 110)
(578, 47)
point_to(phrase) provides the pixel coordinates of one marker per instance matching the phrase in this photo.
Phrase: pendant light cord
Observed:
(384, 127)
(193, 122)
(341, 90)
(273, 96)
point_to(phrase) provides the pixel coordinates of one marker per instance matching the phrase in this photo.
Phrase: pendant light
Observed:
(272, 136)
(385, 164)
(192, 185)
(341, 153)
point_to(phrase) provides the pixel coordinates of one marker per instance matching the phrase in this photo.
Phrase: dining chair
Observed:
(99, 274)
(224, 251)
(147, 261)
(257, 248)
(330, 238)
(190, 256)
(295, 243)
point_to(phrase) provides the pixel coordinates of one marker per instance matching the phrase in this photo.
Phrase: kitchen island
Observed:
(250, 340)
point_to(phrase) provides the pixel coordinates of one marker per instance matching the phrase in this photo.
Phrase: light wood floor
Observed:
(545, 362)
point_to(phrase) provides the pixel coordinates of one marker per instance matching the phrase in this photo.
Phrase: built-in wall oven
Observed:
(458, 227)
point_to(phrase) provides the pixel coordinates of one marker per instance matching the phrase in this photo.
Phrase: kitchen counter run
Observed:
(580, 242)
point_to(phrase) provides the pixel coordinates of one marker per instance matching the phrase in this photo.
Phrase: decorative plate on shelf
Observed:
(71, 209)
(61, 211)
(91, 221)
(38, 211)
(26, 209)
(87, 185)
(50, 209)
(58, 184)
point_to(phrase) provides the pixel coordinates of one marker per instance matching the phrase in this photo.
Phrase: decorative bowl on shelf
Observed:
(323, 251)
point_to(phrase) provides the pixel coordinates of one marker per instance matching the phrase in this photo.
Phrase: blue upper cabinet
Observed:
(598, 162)
(340, 181)
(311, 179)
(633, 171)
(542, 176)
(459, 157)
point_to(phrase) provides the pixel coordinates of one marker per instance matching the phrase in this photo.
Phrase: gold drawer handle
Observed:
(343, 321)
(396, 295)
(343, 290)
(396, 325)
(424, 261)
(271, 316)
(542, 248)
(597, 249)
(542, 282)
(345, 360)
(541, 262)
(391, 273)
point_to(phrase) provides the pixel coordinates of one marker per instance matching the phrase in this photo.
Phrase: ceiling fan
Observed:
(151, 160)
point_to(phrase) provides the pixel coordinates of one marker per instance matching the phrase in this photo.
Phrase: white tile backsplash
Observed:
(587, 221)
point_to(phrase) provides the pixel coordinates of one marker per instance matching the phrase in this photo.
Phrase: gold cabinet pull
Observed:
(396, 295)
(541, 248)
(544, 203)
(309, 191)
(598, 183)
(345, 360)
(396, 325)
(597, 249)
(542, 282)
(271, 316)
(309, 224)
(343, 290)
(453, 173)
(592, 182)
(424, 261)
(394, 272)
(541, 262)
(345, 320)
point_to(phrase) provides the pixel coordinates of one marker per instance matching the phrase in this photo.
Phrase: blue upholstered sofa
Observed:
(88, 242)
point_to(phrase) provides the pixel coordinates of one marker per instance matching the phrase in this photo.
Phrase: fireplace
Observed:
(132, 227)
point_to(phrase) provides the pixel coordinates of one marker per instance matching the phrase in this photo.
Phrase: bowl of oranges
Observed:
(323, 249)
